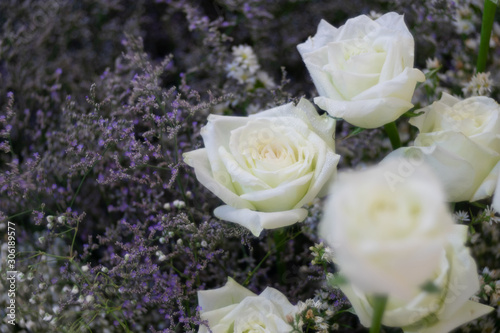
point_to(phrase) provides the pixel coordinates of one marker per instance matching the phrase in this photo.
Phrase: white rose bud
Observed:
(454, 135)
(363, 71)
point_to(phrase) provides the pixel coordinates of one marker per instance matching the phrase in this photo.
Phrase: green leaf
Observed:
(430, 287)
(354, 132)
(336, 280)
(411, 113)
(432, 73)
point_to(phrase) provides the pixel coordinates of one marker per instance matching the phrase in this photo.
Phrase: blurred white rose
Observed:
(233, 308)
(460, 140)
(440, 311)
(387, 236)
(363, 71)
(267, 166)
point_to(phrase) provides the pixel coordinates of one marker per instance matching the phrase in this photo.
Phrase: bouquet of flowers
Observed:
(158, 176)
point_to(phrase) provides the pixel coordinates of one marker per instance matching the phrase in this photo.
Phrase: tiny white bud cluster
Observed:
(479, 85)
(245, 68)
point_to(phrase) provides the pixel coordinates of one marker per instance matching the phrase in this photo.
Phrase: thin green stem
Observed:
(19, 214)
(379, 303)
(490, 7)
(392, 131)
(74, 239)
(279, 236)
(247, 280)
(83, 179)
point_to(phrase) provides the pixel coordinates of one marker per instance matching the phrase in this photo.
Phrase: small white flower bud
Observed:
(179, 204)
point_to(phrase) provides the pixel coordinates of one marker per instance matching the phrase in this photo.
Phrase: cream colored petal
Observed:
(216, 134)
(489, 185)
(401, 86)
(455, 159)
(217, 183)
(231, 293)
(325, 34)
(468, 312)
(281, 198)
(322, 80)
(214, 317)
(356, 27)
(371, 113)
(243, 181)
(282, 304)
(323, 175)
(430, 115)
(349, 84)
(360, 304)
(394, 21)
(323, 126)
(257, 221)
(441, 162)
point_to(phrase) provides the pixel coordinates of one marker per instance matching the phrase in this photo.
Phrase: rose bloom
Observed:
(460, 140)
(442, 310)
(267, 166)
(233, 308)
(387, 236)
(363, 71)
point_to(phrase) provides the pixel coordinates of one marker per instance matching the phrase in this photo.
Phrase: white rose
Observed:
(233, 308)
(363, 71)
(460, 140)
(430, 312)
(386, 235)
(267, 166)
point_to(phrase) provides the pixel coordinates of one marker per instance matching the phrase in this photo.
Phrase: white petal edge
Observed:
(469, 311)
(258, 221)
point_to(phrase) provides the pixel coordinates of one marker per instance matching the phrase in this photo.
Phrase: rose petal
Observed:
(218, 184)
(371, 113)
(281, 198)
(323, 126)
(257, 221)
(231, 293)
(468, 312)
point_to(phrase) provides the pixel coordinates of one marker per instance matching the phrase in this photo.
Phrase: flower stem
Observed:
(490, 7)
(392, 131)
(379, 304)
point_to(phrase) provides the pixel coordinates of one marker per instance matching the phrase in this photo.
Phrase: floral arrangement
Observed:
(249, 166)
